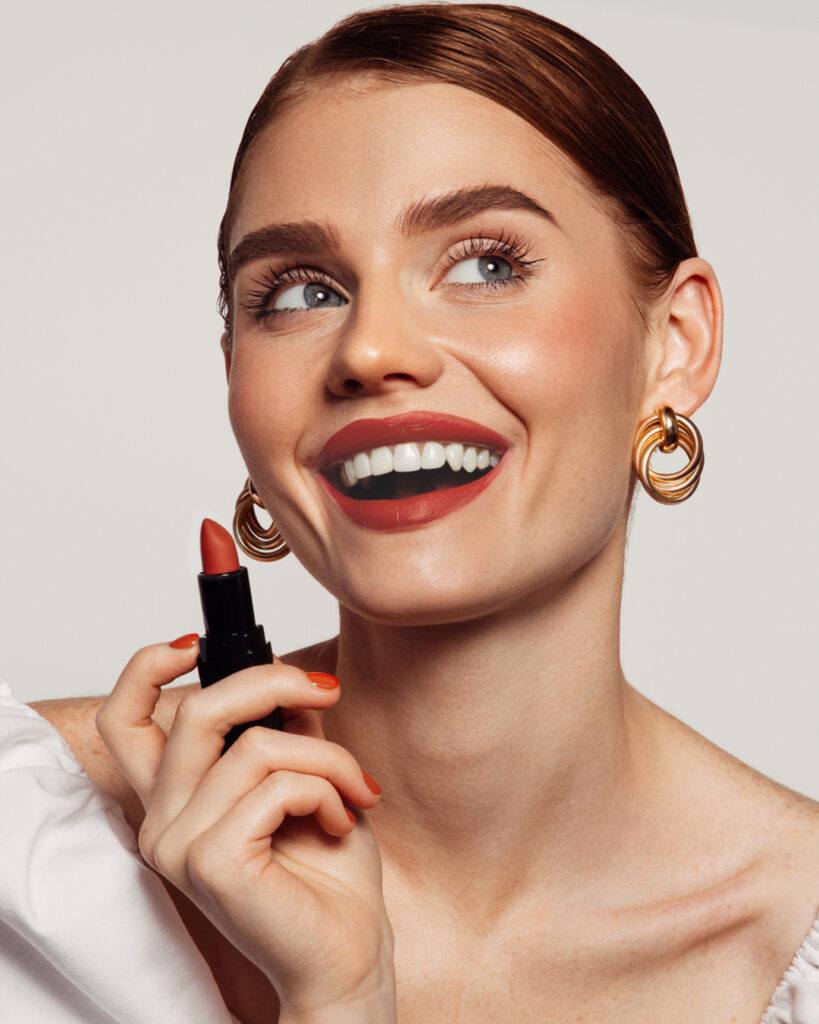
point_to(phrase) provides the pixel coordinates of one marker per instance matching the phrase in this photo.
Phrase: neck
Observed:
(503, 741)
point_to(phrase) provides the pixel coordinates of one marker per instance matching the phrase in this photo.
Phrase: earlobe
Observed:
(690, 340)
(226, 350)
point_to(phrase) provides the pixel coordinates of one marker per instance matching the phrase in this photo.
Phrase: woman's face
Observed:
(440, 257)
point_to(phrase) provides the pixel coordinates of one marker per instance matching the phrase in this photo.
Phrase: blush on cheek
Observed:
(557, 361)
(590, 346)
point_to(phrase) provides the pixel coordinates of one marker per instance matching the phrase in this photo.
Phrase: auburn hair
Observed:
(567, 88)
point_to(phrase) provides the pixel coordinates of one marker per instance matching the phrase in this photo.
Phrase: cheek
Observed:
(266, 396)
(569, 372)
(571, 360)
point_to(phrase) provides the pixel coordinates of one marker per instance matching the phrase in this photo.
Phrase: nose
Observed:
(382, 349)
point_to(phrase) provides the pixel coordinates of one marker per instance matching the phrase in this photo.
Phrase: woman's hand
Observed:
(260, 839)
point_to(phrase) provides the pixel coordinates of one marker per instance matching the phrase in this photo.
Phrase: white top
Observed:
(88, 935)
(796, 999)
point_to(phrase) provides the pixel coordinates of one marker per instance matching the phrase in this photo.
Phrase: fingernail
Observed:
(371, 783)
(350, 814)
(184, 643)
(323, 680)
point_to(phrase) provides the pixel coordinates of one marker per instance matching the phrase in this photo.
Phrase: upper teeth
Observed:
(407, 458)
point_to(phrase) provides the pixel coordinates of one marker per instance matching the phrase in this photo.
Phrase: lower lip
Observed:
(403, 513)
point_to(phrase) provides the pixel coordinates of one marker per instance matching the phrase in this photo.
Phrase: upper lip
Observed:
(365, 434)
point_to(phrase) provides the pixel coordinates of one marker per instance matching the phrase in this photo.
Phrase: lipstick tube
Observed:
(232, 639)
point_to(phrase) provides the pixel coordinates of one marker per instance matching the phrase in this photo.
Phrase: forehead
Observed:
(358, 153)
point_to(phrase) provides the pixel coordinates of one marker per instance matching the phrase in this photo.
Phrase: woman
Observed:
(461, 227)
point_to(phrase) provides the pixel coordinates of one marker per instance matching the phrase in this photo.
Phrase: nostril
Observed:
(353, 386)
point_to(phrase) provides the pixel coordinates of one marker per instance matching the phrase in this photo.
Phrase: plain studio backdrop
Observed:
(119, 126)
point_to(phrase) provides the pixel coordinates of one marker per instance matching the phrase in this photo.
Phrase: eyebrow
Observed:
(424, 215)
(304, 236)
(443, 211)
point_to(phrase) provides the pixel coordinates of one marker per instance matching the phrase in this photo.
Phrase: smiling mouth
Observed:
(397, 471)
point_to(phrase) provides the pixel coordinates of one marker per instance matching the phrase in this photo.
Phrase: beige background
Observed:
(119, 124)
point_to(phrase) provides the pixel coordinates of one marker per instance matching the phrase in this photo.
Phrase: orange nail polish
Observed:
(323, 680)
(371, 783)
(184, 643)
(350, 814)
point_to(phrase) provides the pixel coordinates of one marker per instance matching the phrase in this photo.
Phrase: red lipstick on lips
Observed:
(401, 513)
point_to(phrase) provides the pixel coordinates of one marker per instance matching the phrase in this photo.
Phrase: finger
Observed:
(204, 717)
(244, 833)
(304, 721)
(257, 754)
(124, 720)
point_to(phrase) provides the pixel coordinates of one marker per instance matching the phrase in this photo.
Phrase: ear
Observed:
(688, 337)
(224, 341)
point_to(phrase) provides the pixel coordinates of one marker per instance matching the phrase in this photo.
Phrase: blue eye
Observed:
(480, 270)
(307, 296)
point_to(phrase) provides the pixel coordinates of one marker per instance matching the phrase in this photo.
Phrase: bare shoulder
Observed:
(792, 846)
(788, 819)
(786, 880)
(75, 719)
(723, 885)
(753, 829)
(737, 799)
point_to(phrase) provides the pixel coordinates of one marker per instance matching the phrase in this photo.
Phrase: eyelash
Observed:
(258, 299)
(513, 248)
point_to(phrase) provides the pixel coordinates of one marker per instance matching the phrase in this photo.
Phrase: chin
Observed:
(407, 598)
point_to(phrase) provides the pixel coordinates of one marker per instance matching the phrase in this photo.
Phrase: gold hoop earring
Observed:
(263, 544)
(665, 431)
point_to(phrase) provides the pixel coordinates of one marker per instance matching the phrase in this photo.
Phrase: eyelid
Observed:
(292, 272)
